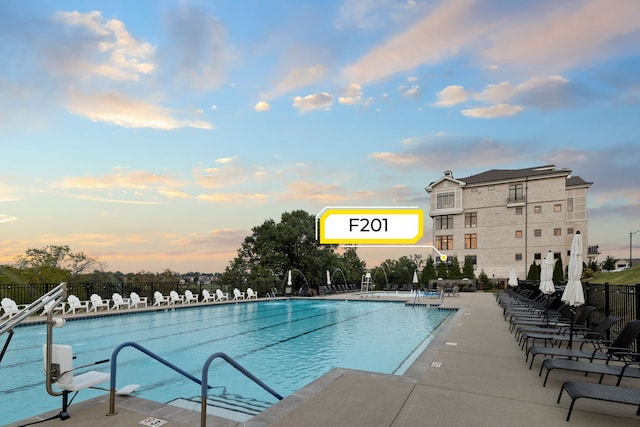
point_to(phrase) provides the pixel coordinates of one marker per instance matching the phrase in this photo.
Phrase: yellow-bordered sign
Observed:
(371, 225)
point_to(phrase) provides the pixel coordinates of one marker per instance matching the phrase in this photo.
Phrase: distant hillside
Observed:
(624, 277)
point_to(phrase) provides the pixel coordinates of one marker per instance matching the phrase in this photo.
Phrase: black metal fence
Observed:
(25, 294)
(615, 300)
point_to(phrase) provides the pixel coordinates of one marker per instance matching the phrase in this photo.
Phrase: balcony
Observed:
(593, 250)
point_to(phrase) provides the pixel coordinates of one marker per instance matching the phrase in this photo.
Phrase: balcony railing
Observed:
(516, 199)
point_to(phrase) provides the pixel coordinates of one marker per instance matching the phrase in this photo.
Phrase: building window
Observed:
(444, 222)
(557, 232)
(537, 256)
(518, 234)
(537, 232)
(518, 257)
(537, 209)
(446, 200)
(570, 230)
(518, 211)
(470, 241)
(569, 204)
(557, 208)
(516, 193)
(444, 243)
(471, 219)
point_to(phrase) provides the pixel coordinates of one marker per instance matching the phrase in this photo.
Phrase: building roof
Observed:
(494, 175)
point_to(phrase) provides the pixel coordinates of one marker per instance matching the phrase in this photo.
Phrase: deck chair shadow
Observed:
(63, 378)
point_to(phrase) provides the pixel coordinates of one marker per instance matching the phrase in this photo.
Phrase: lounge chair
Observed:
(207, 297)
(10, 308)
(237, 295)
(175, 298)
(159, 299)
(96, 303)
(189, 297)
(221, 296)
(73, 304)
(592, 367)
(52, 305)
(580, 324)
(602, 347)
(135, 300)
(579, 337)
(251, 294)
(606, 393)
(119, 302)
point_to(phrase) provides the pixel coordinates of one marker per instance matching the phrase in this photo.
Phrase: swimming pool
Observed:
(285, 343)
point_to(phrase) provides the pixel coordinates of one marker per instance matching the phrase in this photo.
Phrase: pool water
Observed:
(286, 344)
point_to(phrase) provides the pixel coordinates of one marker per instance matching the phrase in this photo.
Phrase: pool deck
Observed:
(472, 374)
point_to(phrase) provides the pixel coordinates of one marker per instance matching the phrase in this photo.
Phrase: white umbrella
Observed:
(546, 275)
(513, 278)
(328, 278)
(415, 277)
(573, 293)
(289, 279)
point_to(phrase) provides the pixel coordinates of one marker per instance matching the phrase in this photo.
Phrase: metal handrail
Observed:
(205, 376)
(203, 382)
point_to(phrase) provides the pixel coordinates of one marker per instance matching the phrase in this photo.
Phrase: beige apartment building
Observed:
(505, 218)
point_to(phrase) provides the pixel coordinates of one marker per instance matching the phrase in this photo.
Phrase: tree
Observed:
(467, 269)
(558, 271)
(534, 272)
(53, 264)
(273, 249)
(429, 270)
(351, 265)
(454, 268)
(609, 263)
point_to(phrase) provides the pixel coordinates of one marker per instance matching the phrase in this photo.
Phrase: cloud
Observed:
(118, 109)
(319, 101)
(312, 191)
(233, 197)
(492, 112)
(198, 53)
(137, 180)
(225, 159)
(7, 218)
(297, 78)
(451, 95)
(261, 106)
(412, 92)
(99, 47)
(352, 95)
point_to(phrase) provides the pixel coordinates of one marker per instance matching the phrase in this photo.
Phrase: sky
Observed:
(154, 135)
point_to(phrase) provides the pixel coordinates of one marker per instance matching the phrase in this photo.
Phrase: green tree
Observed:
(534, 272)
(429, 270)
(454, 268)
(53, 264)
(467, 269)
(609, 263)
(351, 265)
(558, 271)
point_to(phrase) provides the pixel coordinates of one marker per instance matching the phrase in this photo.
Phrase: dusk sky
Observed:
(154, 135)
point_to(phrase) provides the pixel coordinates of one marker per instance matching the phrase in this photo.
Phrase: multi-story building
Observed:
(505, 218)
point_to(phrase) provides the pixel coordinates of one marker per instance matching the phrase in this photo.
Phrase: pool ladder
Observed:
(203, 382)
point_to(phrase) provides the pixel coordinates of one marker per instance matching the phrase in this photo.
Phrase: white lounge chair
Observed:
(73, 304)
(97, 303)
(175, 298)
(207, 297)
(237, 295)
(51, 305)
(251, 294)
(159, 299)
(10, 308)
(189, 297)
(119, 302)
(221, 296)
(136, 300)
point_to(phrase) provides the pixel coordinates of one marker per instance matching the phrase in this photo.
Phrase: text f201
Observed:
(370, 225)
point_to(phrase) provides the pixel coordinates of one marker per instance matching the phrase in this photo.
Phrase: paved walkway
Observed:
(473, 374)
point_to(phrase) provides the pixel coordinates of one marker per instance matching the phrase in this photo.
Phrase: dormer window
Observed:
(446, 200)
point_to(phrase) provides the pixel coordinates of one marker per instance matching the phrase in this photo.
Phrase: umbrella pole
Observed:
(573, 313)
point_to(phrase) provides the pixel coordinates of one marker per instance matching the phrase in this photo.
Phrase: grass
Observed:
(630, 276)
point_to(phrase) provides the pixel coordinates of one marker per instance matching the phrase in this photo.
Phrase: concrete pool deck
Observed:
(472, 374)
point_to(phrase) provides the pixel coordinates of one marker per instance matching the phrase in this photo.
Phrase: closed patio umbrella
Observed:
(328, 278)
(513, 278)
(573, 293)
(546, 275)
